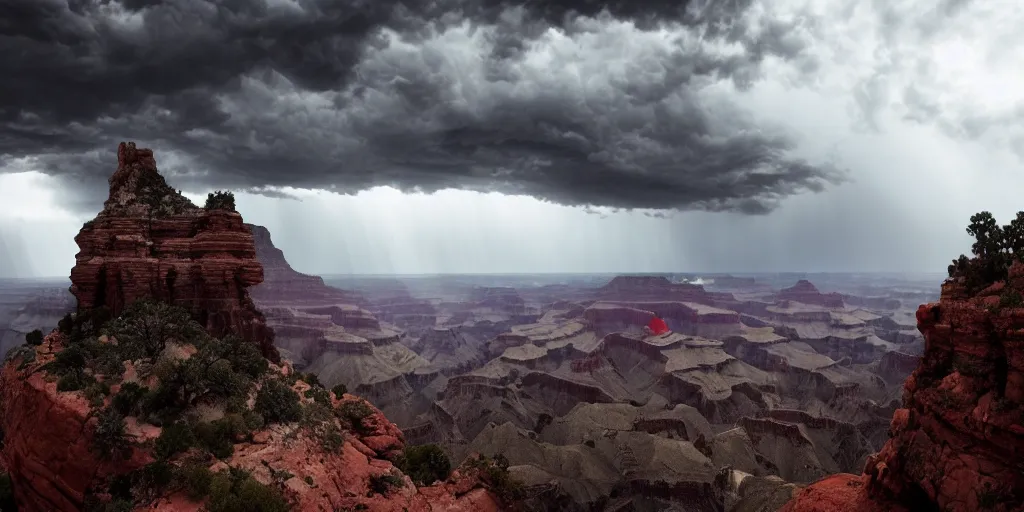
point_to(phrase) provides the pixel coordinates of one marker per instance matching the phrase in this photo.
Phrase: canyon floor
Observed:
(764, 382)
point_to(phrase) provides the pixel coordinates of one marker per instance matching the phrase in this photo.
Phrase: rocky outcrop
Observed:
(805, 292)
(48, 437)
(281, 283)
(151, 242)
(958, 442)
(48, 452)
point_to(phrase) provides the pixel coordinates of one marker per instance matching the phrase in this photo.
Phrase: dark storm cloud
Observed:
(249, 94)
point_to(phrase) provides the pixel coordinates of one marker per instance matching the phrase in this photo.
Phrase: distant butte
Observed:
(151, 242)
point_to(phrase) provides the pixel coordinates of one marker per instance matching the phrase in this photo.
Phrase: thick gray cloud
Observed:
(613, 103)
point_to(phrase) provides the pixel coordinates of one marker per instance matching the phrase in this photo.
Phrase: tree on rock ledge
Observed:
(220, 200)
(995, 248)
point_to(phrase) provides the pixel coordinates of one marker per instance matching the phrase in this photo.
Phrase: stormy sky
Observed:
(382, 136)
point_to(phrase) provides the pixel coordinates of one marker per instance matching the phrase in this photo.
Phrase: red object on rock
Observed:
(657, 326)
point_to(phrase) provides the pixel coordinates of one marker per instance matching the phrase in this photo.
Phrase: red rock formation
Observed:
(47, 439)
(804, 291)
(49, 434)
(151, 242)
(958, 443)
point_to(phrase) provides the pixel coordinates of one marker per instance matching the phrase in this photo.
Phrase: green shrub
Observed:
(129, 399)
(195, 479)
(312, 380)
(174, 439)
(71, 359)
(34, 338)
(339, 390)
(74, 380)
(220, 200)
(319, 395)
(382, 484)
(146, 327)
(64, 325)
(495, 474)
(110, 440)
(151, 480)
(95, 393)
(277, 402)
(237, 491)
(994, 250)
(425, 464)
(217, 438)
(354, 412)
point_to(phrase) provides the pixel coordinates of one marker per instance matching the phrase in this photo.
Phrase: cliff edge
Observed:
(958, 442)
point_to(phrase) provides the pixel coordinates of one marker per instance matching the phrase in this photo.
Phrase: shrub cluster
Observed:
(494, 472)
(995, 248)
(354, 413)
(233, 490)
(224, 371)
(220, 200)
(218, 371)
(425, 464)
(34, 338)
(383, 483)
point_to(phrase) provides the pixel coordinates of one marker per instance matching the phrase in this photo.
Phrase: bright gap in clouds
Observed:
(36, 235)
(384, 231)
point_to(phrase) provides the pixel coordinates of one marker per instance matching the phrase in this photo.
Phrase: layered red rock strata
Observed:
(958, 443)
(151, 242)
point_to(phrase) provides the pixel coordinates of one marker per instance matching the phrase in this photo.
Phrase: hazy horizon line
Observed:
(697, 274)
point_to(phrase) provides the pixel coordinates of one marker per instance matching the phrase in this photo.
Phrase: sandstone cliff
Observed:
(150, 241)
(958, 442)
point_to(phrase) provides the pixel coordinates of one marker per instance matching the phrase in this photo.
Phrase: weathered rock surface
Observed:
(47, 451)
(958, 443)
(151, 242)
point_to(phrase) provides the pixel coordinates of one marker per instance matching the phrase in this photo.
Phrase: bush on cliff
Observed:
(146, 327)
(277, 402)
(220, 200)
(425, 464)
(382, 484)
(34, 338)
(494, 472)
(110, 439)
(237, 491)
(353, 413)
(995, 248)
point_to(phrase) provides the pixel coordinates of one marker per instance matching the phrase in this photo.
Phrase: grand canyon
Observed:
(577, 392)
